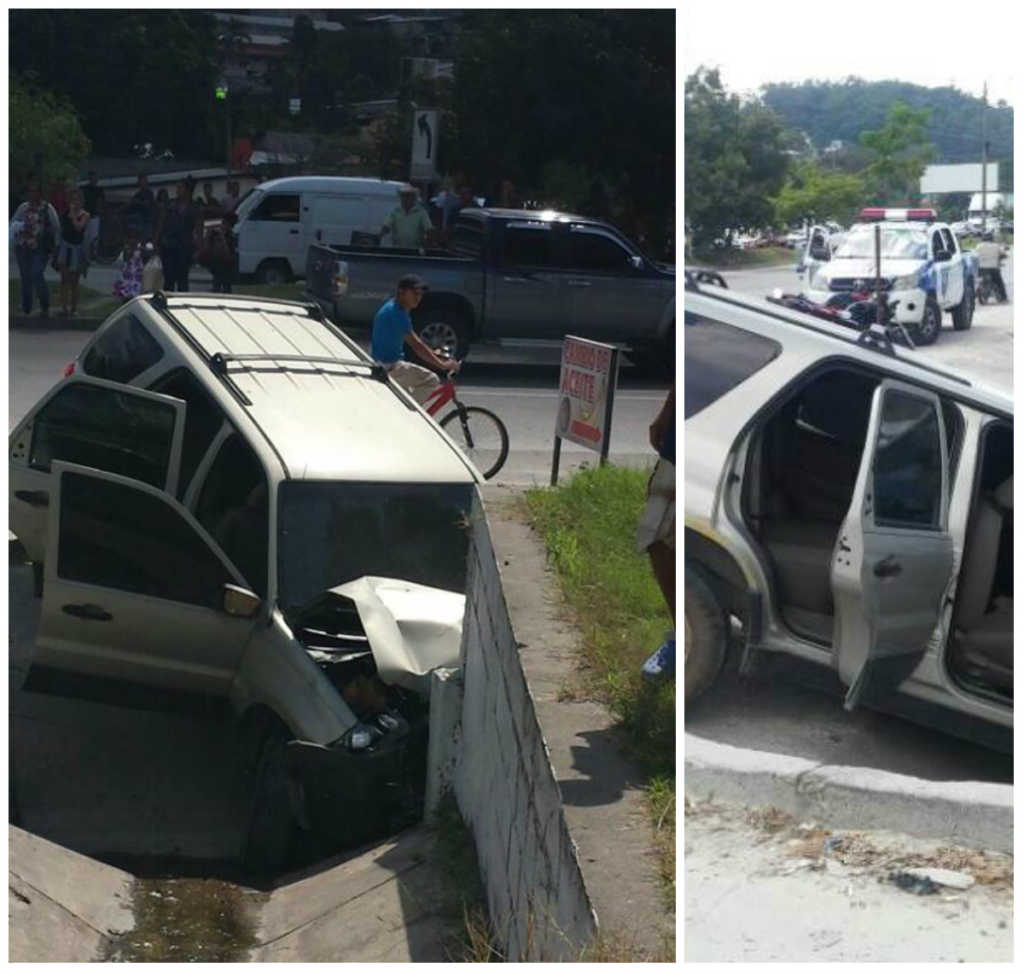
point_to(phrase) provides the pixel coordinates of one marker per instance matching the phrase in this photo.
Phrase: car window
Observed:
(718, 357)
(948, 242)
(122, 351)
(277, 208)
(467, 239)
(233, 507)
(527, 246)
(107, 429)
(592, 251)
(203, 419)
(908, 463)
(118, 536)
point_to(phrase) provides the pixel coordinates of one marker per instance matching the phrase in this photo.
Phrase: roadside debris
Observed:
(916, 884)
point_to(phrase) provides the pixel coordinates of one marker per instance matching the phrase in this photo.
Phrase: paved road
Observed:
(518, 381)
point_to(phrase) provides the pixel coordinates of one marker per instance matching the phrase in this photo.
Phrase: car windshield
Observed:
(331, 532)
(905, 242)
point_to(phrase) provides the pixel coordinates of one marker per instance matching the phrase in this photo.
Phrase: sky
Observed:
(931, 42)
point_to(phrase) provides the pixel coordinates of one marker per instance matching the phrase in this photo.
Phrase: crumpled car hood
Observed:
(412, 628)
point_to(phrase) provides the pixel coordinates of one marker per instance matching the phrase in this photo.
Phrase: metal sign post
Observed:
(589, 377)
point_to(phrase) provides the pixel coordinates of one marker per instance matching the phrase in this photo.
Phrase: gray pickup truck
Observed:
(511, 274)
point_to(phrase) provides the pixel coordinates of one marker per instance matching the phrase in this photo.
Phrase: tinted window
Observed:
(467, 239)
(125, 349)
(718, 357)
(908, 463)
(108, 430)
(233, 507)
(528, 247)
(203, 418)
(119, 537)
(278, 207)
(590, 251)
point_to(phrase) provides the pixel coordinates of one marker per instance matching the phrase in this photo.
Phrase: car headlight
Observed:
(906, 282)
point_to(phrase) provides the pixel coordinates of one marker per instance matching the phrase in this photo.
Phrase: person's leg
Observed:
(656, 535)
(418, 381)
(65, 289)
(74, 278)
(24, 257)
(184, 266)
(1000, 285)
(39, 281)
(663, 564)
(168, 259)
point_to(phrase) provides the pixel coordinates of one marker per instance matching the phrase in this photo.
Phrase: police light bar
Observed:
(873, 214)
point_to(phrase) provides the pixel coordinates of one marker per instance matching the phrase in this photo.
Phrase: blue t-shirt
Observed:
(390, 326)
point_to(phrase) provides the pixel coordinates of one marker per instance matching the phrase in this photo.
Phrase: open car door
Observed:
(100, 424)
(893, 559)
(816, 252)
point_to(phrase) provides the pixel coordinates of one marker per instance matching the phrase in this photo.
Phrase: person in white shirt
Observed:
(990, 256)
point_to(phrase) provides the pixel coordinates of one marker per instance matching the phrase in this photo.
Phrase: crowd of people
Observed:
(163, 238)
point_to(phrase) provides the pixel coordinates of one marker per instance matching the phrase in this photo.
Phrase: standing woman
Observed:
(36, 232)
(71, 253)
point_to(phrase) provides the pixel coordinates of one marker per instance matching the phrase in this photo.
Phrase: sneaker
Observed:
(662, 665)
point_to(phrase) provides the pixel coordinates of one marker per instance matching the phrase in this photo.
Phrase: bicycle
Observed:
(483, 438)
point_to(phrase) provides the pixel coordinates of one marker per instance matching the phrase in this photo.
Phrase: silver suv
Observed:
(848, 505)
(195, 493)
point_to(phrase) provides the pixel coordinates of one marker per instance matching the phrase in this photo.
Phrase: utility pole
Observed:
(984, 161)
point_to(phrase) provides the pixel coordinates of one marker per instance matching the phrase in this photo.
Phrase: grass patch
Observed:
(91, 302)
(736, 259)
(589, 525)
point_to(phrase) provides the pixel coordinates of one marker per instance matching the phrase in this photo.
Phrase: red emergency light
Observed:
(874, 214)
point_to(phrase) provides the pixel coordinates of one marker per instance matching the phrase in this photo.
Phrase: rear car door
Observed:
(134, 588)
(527, 290)
(893, 560)
(94, 423)
(336, 217)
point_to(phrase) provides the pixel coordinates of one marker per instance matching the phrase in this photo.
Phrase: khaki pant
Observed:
(658, 522)
(418, 381)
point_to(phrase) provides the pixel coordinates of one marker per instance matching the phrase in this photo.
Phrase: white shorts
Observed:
(658, 522)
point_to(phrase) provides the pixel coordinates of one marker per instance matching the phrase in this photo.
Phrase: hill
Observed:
(828, 110)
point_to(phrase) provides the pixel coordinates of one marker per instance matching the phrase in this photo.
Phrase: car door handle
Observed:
(516, 280)
(578, 283)
(888, 567)
(34, 498)
(93, 613)
(319, 234)
(294, 232)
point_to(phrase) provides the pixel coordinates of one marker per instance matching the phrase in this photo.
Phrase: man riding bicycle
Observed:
(392, 331)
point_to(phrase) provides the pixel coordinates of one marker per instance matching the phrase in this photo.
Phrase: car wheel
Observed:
(271, 822)
(963, 313)
(927, 331)
(704, 634)
(446, 331)
(273, 272)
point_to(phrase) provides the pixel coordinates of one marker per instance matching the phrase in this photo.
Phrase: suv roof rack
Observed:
(869, 340)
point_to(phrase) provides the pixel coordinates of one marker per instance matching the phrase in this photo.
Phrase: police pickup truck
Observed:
(923, 270)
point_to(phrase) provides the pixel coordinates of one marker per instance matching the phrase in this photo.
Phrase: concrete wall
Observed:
(503, 781)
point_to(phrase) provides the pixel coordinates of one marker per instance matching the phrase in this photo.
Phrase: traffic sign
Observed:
(423, 164)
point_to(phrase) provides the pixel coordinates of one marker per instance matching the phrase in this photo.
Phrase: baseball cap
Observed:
(411, 282)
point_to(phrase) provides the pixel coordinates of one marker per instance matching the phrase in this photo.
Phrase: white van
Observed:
(279, 219)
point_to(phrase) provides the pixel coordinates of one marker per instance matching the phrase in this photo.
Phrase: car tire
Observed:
(928, 330)
(274, 272)
(271, 822)
(444, 329)
(963, 313)
(705, 634)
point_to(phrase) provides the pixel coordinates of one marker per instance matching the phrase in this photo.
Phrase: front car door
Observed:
(134, 588)
(893, 560)
(95, 423)
(527, 292)
(816, 252)
(272, 231)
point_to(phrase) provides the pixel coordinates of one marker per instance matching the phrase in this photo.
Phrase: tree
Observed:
(814, 194)
(734, 160)
(47, 141)
(900, 151)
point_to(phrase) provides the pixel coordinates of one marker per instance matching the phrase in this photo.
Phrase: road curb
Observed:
(973, 813)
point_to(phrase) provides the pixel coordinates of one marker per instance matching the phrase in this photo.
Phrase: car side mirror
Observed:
(637, 263)
(941, 256)
(819, 251)
(240, 602)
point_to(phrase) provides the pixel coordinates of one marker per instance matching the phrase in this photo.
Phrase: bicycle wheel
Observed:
(482, 436)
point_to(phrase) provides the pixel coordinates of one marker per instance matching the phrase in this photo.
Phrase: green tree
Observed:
(735, 161)
(900, 151)
(47, 141)
(812, 193)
